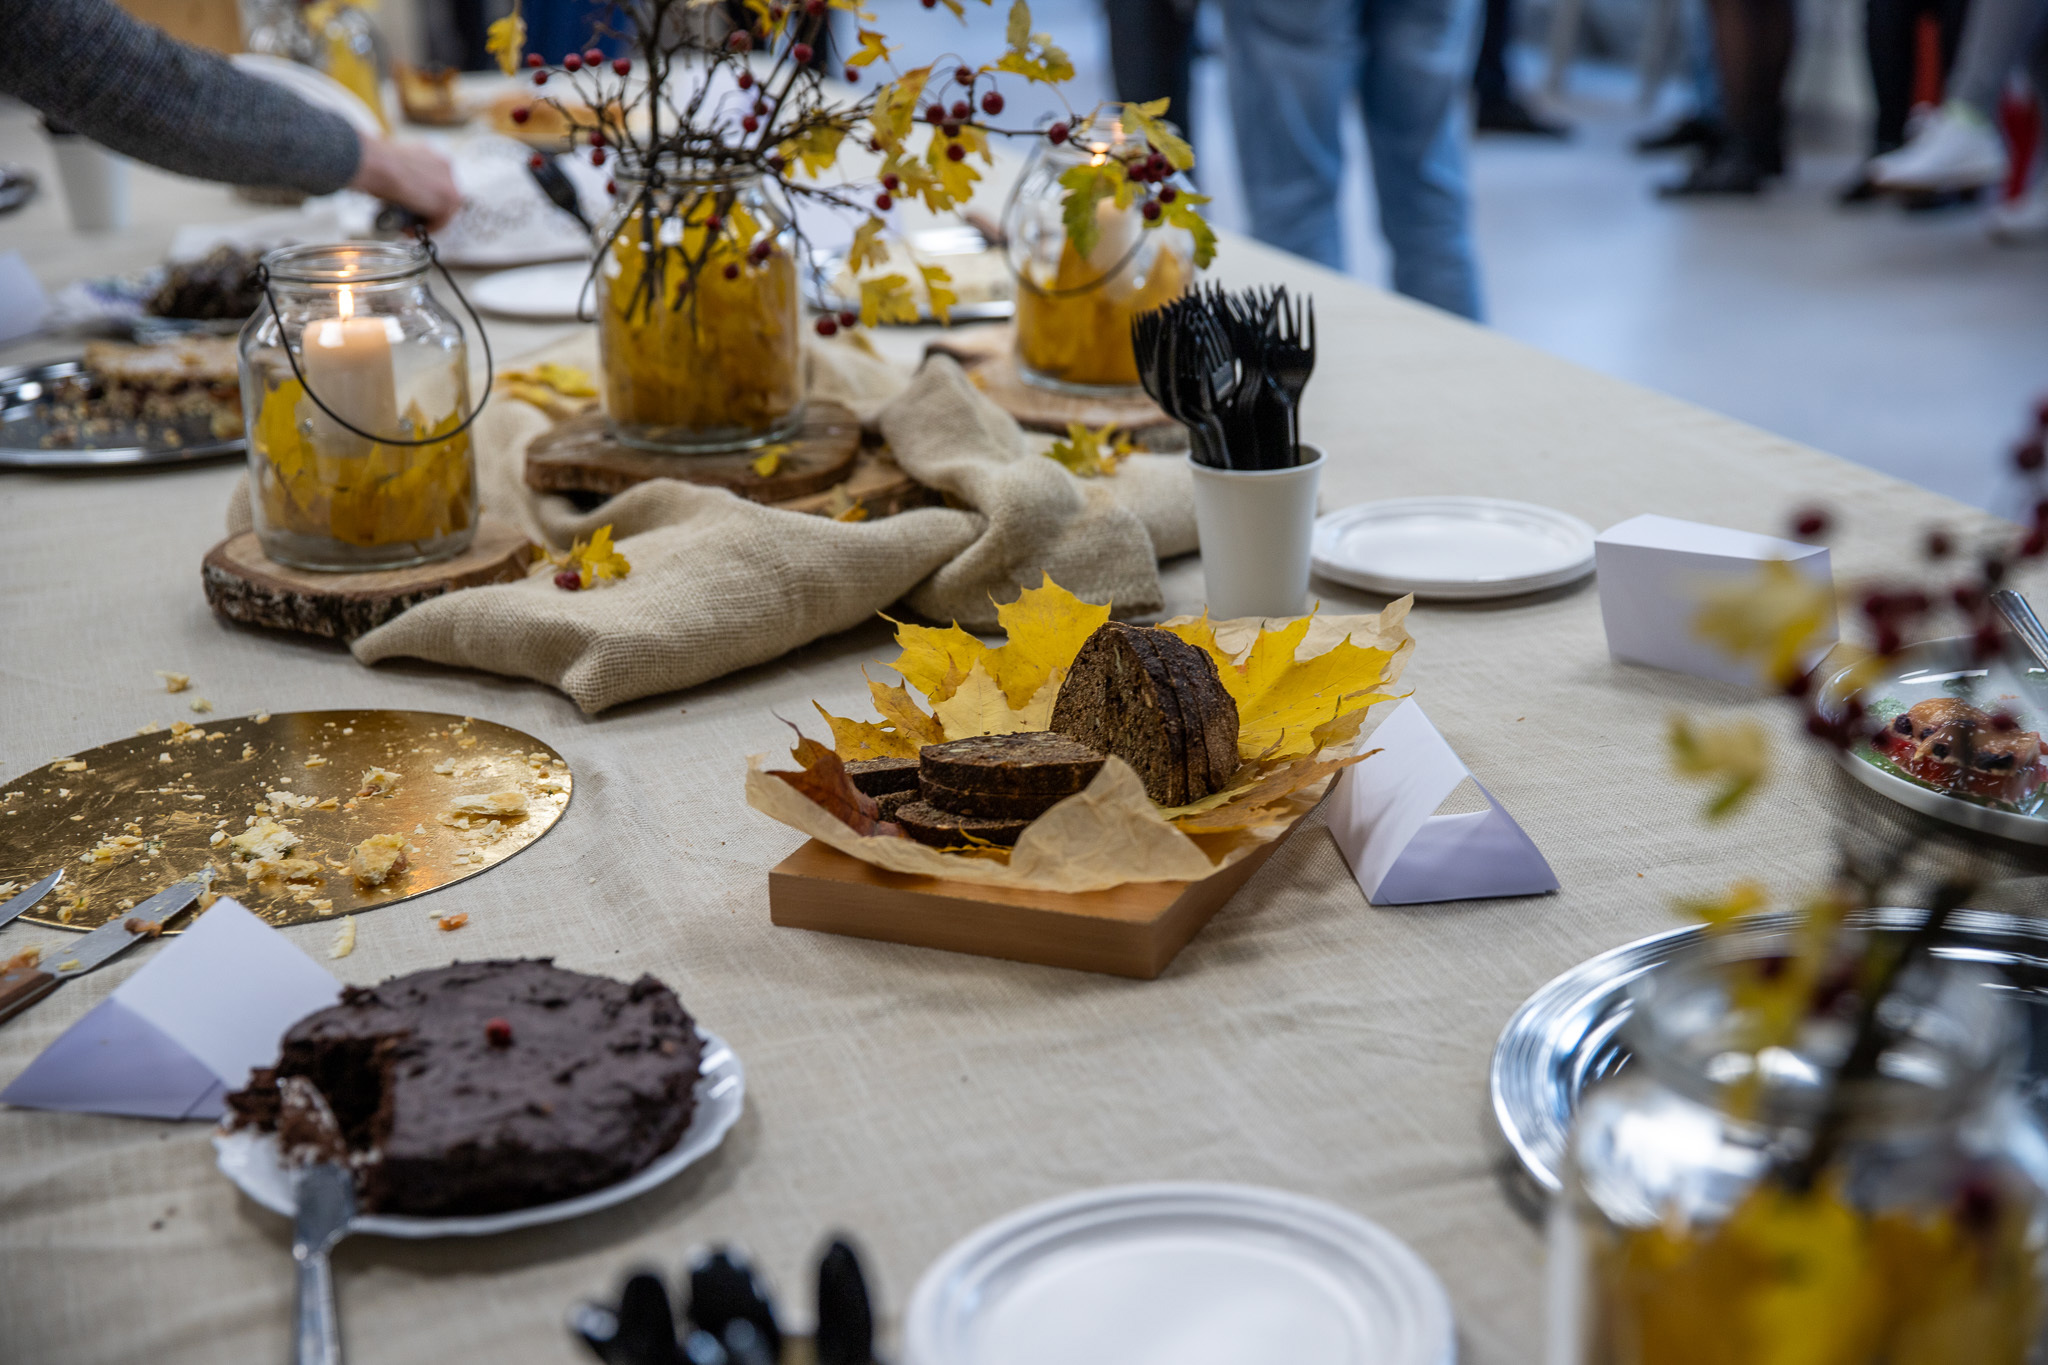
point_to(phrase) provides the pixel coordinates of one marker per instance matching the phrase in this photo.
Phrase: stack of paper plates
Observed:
(1452, 547)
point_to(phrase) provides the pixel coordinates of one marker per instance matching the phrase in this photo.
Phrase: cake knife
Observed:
(27, 899)
(21, 987)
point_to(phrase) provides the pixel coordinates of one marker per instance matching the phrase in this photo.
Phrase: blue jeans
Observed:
(1291, 64)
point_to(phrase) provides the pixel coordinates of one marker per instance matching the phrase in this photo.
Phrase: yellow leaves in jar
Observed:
(368, 493)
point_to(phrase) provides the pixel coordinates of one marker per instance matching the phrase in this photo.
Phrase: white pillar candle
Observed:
(347, 361)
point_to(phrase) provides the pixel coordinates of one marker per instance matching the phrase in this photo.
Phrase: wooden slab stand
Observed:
(1131, 930)
(989, 357)
(580, 456)
(244, 584)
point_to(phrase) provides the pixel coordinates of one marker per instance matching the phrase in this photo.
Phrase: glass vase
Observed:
(697, 314)
(1720, 1209)
(1074, 308)
(368, 337)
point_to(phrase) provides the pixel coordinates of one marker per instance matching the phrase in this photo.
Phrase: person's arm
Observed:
(133, 88)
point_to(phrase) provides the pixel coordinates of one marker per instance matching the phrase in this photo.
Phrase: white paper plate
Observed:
(1180, 1274)
(1455, 547)
(251, 1160)
(539, 293)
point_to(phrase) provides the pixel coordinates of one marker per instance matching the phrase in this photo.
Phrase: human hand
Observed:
(409, 175)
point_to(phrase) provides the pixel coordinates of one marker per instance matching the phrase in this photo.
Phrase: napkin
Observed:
(1654, 572)
(720, 583)
(1401, 852)
(176, 1036)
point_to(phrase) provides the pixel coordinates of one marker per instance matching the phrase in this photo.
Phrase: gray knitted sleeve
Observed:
(133, 88)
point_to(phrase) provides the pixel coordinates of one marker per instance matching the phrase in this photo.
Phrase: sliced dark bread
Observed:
(1037, 761)
(888, 803)
(989, 805)
(1157, 703)
(929, 825)
(878, 776)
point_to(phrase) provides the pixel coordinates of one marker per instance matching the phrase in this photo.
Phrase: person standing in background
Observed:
(1498, 109)
(1292, 63)
(1891, 33)
(1753, 48)
(1151, 55)
(1959, 147)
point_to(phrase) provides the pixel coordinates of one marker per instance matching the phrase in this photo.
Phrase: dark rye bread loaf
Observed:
(941, 829)
(487, 1086)
(1156, 702)
(888, 803)
(880, 776)
(989, 805)
(1036, 761)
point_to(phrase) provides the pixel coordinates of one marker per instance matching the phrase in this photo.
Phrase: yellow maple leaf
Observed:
(935, 661)
(853, 511)
(895, 110)
(955, 178)
(1091, 454)
(853, 740)
(505, 39)
(1740, 899)
(1047, 626)
(597, 562)
(873, 48)
(1259, 801)
(887, 298)
(1032, 55)
(867, 248)
(769, 460)
(895, 706)
(816, 149)
(1145, 119)
(1282, 703)
(936, 278)
(979, 707)
(1037, 712)
(1736, 755)
(1776, 618)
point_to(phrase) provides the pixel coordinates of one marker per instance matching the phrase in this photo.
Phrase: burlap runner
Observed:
(720, 583)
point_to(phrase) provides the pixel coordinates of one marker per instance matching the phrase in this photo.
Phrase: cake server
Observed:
(21, 987)
(325, 1193)
(2019, 614)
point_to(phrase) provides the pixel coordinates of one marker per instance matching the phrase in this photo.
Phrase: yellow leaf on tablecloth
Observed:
(1047, 626)
(979, 707)
(769, 460)
(505, 39)
(935, 661)
(1091, 453)
(896, 706)
(854, 740)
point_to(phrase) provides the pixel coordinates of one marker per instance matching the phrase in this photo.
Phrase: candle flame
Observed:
(348, 302)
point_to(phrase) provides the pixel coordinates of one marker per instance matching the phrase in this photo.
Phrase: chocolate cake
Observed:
(1156, 702)
(486, 1086)
(880, 776)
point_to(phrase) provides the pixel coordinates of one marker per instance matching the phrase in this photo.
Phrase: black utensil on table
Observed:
(846, 1322)
(1290, 360)
(555, 184)
(647, 1324)
(724, 1289)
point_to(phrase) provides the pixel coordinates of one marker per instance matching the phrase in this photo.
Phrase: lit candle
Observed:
(348, 364)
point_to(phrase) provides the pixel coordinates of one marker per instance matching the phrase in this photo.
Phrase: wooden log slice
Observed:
(581, 456)
(244, 584)
(877, 483)
(989, 357)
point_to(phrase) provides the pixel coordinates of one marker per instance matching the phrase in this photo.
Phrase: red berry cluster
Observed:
(498, 1032)
(830, 324)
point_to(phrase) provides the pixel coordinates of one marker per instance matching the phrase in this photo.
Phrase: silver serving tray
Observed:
(1948, 667)
(1566, 1037)
(25, 421)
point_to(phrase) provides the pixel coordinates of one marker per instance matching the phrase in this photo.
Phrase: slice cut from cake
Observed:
(1156, 702)
(487, 1086)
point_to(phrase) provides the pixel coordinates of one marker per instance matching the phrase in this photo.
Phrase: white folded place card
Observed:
(1655, 572)
(1383, 817)
(23, 304)
(175, 1037)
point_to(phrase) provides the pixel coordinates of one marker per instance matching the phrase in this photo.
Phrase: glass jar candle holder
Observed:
(697, 313)
(1720, 1208)
(1074, 308)
(370, 341)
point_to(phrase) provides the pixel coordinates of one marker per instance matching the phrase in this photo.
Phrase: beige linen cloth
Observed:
(720, 583)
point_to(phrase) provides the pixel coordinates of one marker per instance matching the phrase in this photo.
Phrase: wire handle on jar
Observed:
(490, 369)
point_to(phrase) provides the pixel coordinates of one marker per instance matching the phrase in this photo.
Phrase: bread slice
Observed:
(1037, 762)
(989, 805)
(888, 803)
(929, 825)
(1157, 703)
(879, 776)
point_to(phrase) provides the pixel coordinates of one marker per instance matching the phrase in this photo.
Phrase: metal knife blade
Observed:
(29, 897)
(114, 937)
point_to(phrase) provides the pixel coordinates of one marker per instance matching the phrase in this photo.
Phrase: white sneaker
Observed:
(1955, 150)
(2017, 222)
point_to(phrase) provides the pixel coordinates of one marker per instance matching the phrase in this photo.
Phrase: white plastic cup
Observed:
(95, 183)
(1256, 526)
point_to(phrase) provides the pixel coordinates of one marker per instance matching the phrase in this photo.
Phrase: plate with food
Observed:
(1960, 737)
(485, 1096)
(124, 403)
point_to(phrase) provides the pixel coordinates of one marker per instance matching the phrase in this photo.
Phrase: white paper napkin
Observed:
(175, 1037)
(1383, 817)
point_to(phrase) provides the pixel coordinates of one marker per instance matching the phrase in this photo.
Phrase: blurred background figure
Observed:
(1891, 33)
(1496, 106)
(1702, 125)
(1292, 65)
(1753, 56)
(1151, 55)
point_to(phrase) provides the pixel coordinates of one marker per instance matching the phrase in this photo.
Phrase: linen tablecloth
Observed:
(1304, 1040)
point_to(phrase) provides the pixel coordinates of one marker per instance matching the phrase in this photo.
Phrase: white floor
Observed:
(1909, 343)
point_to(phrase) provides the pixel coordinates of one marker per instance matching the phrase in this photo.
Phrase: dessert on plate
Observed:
(1950, 744)
(487, 1086)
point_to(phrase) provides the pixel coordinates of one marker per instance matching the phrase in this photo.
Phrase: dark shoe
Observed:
(1690, 131)
(1861, 190)
(1933, 201)
(1731, 170)
(1510, 115)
